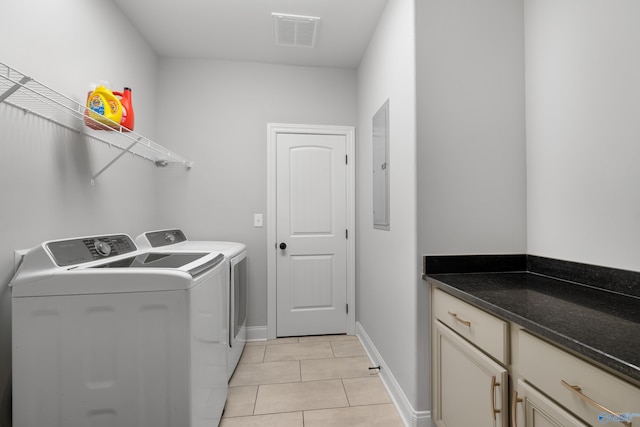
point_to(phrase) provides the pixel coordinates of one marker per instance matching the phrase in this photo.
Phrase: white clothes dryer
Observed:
(106, 334)
(236, 265)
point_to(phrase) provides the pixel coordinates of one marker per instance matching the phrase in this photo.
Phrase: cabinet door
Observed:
(533, 409)
(470, 389)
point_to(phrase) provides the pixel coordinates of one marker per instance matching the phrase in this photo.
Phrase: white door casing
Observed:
(310, 282)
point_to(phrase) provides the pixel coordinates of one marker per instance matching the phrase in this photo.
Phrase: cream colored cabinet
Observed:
(590, 393)
(470, 388)
(475, 355)
(530, 408)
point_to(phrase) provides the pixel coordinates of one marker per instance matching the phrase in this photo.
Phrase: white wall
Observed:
(471, 134)
(219, 112)
(45, 176)
(583, 137)
(387, 261)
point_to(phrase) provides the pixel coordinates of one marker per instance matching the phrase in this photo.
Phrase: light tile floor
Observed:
(307, 382)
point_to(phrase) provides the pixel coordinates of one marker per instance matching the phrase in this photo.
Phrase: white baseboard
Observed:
(256, 333)
(410, 416)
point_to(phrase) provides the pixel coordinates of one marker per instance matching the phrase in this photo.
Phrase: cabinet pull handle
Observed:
(494, 384)
(578, 391)
(514, 404)
(457, 319)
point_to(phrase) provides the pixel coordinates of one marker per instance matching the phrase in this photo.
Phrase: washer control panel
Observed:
(78, 251)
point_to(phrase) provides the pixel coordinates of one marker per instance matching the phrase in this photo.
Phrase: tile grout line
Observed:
(255, 402)
(345, 392)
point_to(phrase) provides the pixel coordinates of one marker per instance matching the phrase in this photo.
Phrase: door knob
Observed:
(283, 246)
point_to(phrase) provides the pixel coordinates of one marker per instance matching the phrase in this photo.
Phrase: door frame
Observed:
(273, 129)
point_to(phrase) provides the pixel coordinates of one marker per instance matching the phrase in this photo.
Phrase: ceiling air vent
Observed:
(295, 30)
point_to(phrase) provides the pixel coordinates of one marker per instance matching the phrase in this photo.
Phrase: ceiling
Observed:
(242, 30)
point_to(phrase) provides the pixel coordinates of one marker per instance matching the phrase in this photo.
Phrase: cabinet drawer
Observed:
(482, 329)
(555, 371)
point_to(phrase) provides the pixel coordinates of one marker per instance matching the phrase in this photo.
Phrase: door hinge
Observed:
(346, 234)
(347, 308)
(346, 159)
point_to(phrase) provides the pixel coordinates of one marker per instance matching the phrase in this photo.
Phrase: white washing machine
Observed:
(236, 265)
(105, 334)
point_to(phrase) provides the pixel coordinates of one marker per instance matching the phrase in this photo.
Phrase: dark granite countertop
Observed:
(598, 324)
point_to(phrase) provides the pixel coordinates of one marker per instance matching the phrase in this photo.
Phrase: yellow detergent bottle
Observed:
(103, 105)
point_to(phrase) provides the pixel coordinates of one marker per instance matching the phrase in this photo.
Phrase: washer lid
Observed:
(68, 267)
(168, 260)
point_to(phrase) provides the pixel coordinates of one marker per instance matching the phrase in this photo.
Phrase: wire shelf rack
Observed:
(29, 95)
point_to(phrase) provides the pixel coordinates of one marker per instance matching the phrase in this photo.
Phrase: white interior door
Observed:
(311, 241)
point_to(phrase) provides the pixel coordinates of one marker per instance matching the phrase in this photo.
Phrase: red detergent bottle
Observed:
(128, 118)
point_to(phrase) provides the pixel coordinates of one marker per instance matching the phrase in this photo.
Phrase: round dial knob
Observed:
(103, 248)
(169, 237)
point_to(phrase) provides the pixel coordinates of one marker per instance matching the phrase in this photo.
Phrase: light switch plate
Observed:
(257, 220)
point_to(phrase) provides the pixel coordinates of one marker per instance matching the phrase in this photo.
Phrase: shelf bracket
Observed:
(24, 80)
(115, 159)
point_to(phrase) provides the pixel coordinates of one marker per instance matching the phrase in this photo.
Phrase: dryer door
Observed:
(238, 311)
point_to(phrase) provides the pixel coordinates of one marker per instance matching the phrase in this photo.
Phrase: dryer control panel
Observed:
(165, 237)
(78, 251)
